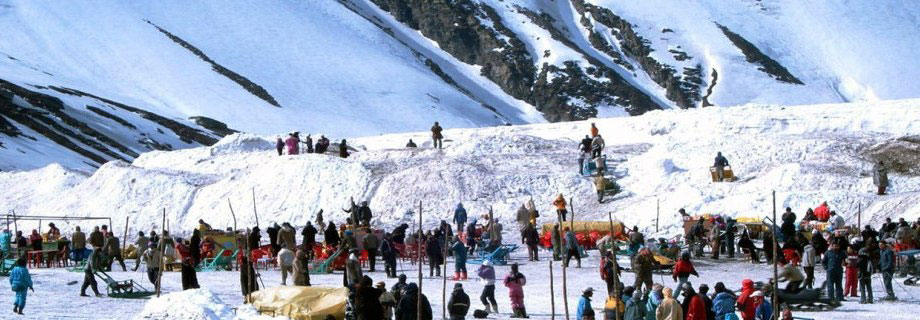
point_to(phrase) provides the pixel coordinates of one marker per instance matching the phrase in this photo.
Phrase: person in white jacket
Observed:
(808, 263)
(837, 222)
(286, 262)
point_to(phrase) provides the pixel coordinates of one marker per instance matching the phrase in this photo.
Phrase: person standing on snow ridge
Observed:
(309, 143)
(720, 164)
(293, 143)
(880, 178)
(561, 210)
(460, 217)
(597, 146)
(279, 145)
(343, 149)
(437, 136)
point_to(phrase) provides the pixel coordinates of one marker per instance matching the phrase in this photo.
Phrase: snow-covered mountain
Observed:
(801, 152)
(83, 83)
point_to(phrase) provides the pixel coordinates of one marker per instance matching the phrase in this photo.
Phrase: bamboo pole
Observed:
(775, 258)
(162, 255)
(232, 214)
(859, 217)
(615, 275)
(418, 243)
(552, 293)
(565, 291)
(444, 275)
(124, 239)
(256, 213)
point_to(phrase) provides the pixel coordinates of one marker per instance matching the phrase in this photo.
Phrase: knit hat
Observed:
(458, 285)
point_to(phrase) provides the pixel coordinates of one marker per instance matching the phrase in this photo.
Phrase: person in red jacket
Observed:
(849, 288)
(822, 212)
(682, 271)
(694, 307)
(745, 303)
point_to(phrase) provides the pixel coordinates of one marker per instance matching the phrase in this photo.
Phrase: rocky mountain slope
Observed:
(83, 84)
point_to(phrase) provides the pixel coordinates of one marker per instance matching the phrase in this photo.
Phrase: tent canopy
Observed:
(301, 303)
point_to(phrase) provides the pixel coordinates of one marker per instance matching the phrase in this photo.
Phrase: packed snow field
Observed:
(808, 154)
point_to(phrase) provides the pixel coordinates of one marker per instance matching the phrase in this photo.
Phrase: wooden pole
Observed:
(256, 213)
(775, 258)
(565, 291)
(162, 255)
(444, 275)
(124, 240)
(552, 293)
(418, 243)
(657, 213)
(615, 275)
(859, 217)
(232, 214)
(15, 223)
(247, 267)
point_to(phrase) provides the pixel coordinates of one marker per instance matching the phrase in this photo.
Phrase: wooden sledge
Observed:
(729, 175)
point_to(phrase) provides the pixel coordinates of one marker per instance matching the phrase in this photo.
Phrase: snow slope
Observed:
(330, 71)
(802, 152)
(348, 68)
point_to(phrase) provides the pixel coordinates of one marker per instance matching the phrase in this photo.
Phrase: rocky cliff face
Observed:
(474, 33)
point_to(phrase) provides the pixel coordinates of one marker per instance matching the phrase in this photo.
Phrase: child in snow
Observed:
(20, 281)
(515, 281)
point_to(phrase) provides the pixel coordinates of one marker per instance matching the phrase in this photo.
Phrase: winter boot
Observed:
(524, 313)
(437, 272)
(456, 277)
(463, 276)
(488, 309)
(495, 308)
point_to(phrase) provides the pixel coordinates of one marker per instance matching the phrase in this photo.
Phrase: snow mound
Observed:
(241, 142)
(196, 304)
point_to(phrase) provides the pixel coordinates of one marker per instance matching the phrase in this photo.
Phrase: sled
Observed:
(727, 173)
(127, 289)
(221, 261)
(325, 266)
(909, 268)
(590, 168)
(808, 300)
(498, 257)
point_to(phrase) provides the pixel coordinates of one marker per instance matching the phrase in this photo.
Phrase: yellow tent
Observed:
(301, 303)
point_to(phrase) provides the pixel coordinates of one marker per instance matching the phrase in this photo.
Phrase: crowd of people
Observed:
(294, 145)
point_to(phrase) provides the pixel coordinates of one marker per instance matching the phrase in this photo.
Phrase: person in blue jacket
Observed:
(460, 217)
(584, 305)
(5, 238)
(724, 301)
(459, 259)
(886, 266)
(833, 263)
(20, 281)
